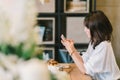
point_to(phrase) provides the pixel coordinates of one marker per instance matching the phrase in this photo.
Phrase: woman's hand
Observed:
(69, 44)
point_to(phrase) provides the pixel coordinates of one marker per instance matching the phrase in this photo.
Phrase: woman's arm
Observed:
(69, 45)
(78, 61)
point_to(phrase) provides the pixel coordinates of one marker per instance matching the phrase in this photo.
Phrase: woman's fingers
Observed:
(66, 42)
(62, 42)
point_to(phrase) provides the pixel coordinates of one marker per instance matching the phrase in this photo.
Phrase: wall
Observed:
(112, 9)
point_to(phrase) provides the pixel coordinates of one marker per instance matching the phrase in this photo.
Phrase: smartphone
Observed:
(63, 37)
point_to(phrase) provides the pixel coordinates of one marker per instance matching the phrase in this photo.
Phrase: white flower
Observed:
(11, 67)
(8, 66)
(17, 19)
(33, 69)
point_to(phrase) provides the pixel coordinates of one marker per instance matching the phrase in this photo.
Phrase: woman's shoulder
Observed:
(104, 44)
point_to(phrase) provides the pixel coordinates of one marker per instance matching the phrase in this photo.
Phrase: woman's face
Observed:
(87, 31)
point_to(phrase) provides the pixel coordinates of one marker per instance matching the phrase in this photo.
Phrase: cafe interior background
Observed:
(110, 7)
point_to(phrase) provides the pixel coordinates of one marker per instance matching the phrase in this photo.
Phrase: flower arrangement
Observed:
(16, 27)
(18, 42)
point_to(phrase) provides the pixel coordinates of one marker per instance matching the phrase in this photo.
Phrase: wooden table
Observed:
(75, 73)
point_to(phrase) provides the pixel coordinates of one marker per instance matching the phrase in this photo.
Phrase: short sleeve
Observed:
(96, 63)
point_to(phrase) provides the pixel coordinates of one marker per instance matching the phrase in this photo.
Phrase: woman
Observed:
(99, 60)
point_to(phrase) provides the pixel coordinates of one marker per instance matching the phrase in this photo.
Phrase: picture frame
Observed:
(46, 32)
(76, 25)
(76, 6)
(48, 53)
(47, 7)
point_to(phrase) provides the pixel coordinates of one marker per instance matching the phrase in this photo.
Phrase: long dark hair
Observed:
(99, 26)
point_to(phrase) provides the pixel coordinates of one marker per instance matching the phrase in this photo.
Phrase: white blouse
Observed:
(100, 62)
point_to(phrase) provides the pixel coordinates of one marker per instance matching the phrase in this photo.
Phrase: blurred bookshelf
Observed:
(61, 17)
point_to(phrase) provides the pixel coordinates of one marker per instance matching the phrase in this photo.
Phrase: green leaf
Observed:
(3, 48)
